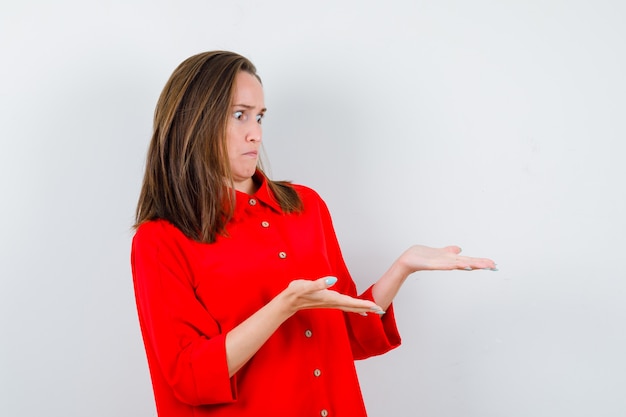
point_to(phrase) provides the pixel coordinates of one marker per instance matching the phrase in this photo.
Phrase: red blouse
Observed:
(189, 295)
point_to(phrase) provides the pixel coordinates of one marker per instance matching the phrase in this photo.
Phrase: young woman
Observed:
(245, 303)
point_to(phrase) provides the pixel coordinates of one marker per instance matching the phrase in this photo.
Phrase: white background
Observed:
(495, 125)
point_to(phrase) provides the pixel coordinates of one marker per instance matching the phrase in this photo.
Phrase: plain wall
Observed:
(497, 126)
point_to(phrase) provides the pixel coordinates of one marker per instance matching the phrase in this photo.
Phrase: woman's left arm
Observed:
(423, 258)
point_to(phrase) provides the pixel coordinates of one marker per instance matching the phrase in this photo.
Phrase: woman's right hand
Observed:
(246, 339)
(304, 294)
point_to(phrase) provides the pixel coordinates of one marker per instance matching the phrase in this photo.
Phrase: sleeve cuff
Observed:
(212, 381)
(373, 335)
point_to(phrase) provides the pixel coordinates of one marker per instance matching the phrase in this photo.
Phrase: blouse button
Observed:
(324, 413)
(265, 224)
(282, 255)
(317, 372)
(308, 333)
(252, 202)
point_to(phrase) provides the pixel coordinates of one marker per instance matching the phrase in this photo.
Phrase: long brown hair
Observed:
(187, 167)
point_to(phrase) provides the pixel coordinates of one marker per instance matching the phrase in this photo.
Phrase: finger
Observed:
(453, 249)
(355, 305)
(469, 264)
(482, 263)
(332, 299)
(329, 281)
(323, 283)
(305, 286)
(317, 295)
(364, 311)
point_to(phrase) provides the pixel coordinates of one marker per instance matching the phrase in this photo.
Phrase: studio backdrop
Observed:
(495, 126)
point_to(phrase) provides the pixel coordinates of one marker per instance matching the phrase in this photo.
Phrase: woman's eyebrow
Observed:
(249, 107)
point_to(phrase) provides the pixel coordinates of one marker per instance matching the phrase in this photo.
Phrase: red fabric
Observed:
(189, 295)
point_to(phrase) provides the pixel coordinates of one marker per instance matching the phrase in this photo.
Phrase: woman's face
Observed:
(243, 130)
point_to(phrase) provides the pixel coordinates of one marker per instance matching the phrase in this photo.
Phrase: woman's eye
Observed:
(238, 115)
(259, 118)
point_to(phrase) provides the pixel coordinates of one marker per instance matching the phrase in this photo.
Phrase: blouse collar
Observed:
(262, 195)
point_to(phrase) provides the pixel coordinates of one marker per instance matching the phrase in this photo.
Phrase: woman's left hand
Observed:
(424, 258)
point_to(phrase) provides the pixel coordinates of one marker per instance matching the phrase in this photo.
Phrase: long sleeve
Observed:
(369, 336)
(185, 346)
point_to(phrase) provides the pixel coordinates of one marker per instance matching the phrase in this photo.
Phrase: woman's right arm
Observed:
(246, 339)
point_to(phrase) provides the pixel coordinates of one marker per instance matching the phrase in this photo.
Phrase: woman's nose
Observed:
(255, 132)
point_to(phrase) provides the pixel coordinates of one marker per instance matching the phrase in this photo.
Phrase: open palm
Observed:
(424, 258)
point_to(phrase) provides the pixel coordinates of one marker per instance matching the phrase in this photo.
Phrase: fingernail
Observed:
(490, 269)
(468, 268)
(330, 281)
(378, 311)
(363, 314)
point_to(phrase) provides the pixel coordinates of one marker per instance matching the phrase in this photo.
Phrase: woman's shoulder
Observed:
(306, 193)
(155, 231)
(311, 199)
